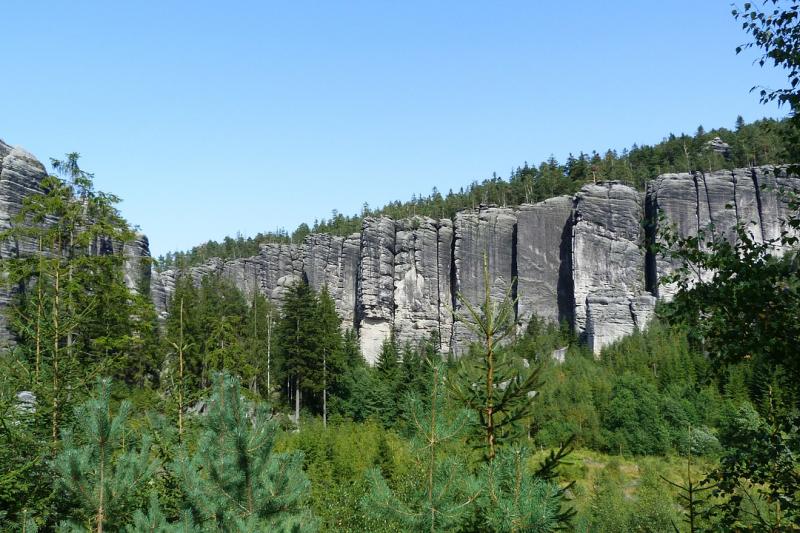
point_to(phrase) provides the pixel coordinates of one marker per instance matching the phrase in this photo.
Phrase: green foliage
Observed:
(100, 472)
(758, 476)
(765, 141)
(775, 33)
(235, 481)
(517, 500)
(441, 498)
(491, 382)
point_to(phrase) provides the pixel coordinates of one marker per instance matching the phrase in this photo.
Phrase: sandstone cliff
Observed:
(580, 260)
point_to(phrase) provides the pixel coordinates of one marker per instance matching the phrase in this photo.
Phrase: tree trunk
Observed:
(180, 376)
(297, 401)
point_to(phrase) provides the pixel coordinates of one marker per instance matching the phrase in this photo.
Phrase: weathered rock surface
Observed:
(422, 281)
(332, 261)
(715, 203)
(375, 287)
(487, 232)
(608, 263)
(579, 259)
(20, 175)
(137, 264)
(544, 261)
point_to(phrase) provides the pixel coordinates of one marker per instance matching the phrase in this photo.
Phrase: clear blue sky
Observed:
(209, 118)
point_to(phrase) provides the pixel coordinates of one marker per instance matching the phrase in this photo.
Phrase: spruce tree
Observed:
(235, 481)
(297, 337)
(98, 470)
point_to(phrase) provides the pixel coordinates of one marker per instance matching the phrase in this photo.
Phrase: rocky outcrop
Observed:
(580, 260)
(608, 263)
(20, 175)
(544, 261)
(137, 266)
(331, 261)
(714, 203)
(375, 286)
(422, 298)
(490, 233)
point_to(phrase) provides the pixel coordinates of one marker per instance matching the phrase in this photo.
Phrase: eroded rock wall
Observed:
(608, 263)
(544, 261)
(578, 259)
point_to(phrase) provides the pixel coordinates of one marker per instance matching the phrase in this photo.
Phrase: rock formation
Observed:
(608, 263)
(580, 260)
(490, 233)
(544, 261)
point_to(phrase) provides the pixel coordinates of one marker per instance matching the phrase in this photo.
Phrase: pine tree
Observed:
(235, 481)
(500, 391)
(490, 382)
(441, 498)
(97, 469)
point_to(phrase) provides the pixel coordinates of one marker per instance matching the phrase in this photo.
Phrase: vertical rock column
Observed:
(772, 182)
(420, 275)
(672, 199)
(544, 261)
(330, 261)
(136, 266)
(489, 231)
(20, 176)
(608, 264)
(375, 287)
(281, 267)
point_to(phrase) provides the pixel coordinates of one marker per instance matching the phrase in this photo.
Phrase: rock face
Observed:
(422, 298)
(20, 175)
(544, 261)
(714, 203)
(608, 263)
(578, 259)
(487, 233)
(375, 286)
(331, 261)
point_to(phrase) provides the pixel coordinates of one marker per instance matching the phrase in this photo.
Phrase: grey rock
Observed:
(26, 402)
(331, 261)
(714, 203)
(422, 280)
(487, 232)
(719, 146)
(137, 264)
(375, 287)
(20, 176)
(607, 262)
(774, 186)
(544, 266)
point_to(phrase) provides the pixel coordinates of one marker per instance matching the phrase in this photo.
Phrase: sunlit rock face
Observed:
(714, 203)
(608, 263)
(375, 287)
(580, 260)
(20, 176)
(544, 261)
(422, 294)
(482, 236)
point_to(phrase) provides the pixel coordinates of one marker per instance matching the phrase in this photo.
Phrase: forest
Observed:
(234, 415)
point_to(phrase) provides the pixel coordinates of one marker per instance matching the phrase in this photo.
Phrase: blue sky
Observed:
(211, 118)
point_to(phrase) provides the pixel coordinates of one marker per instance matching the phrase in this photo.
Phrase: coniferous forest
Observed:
(235, 415)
